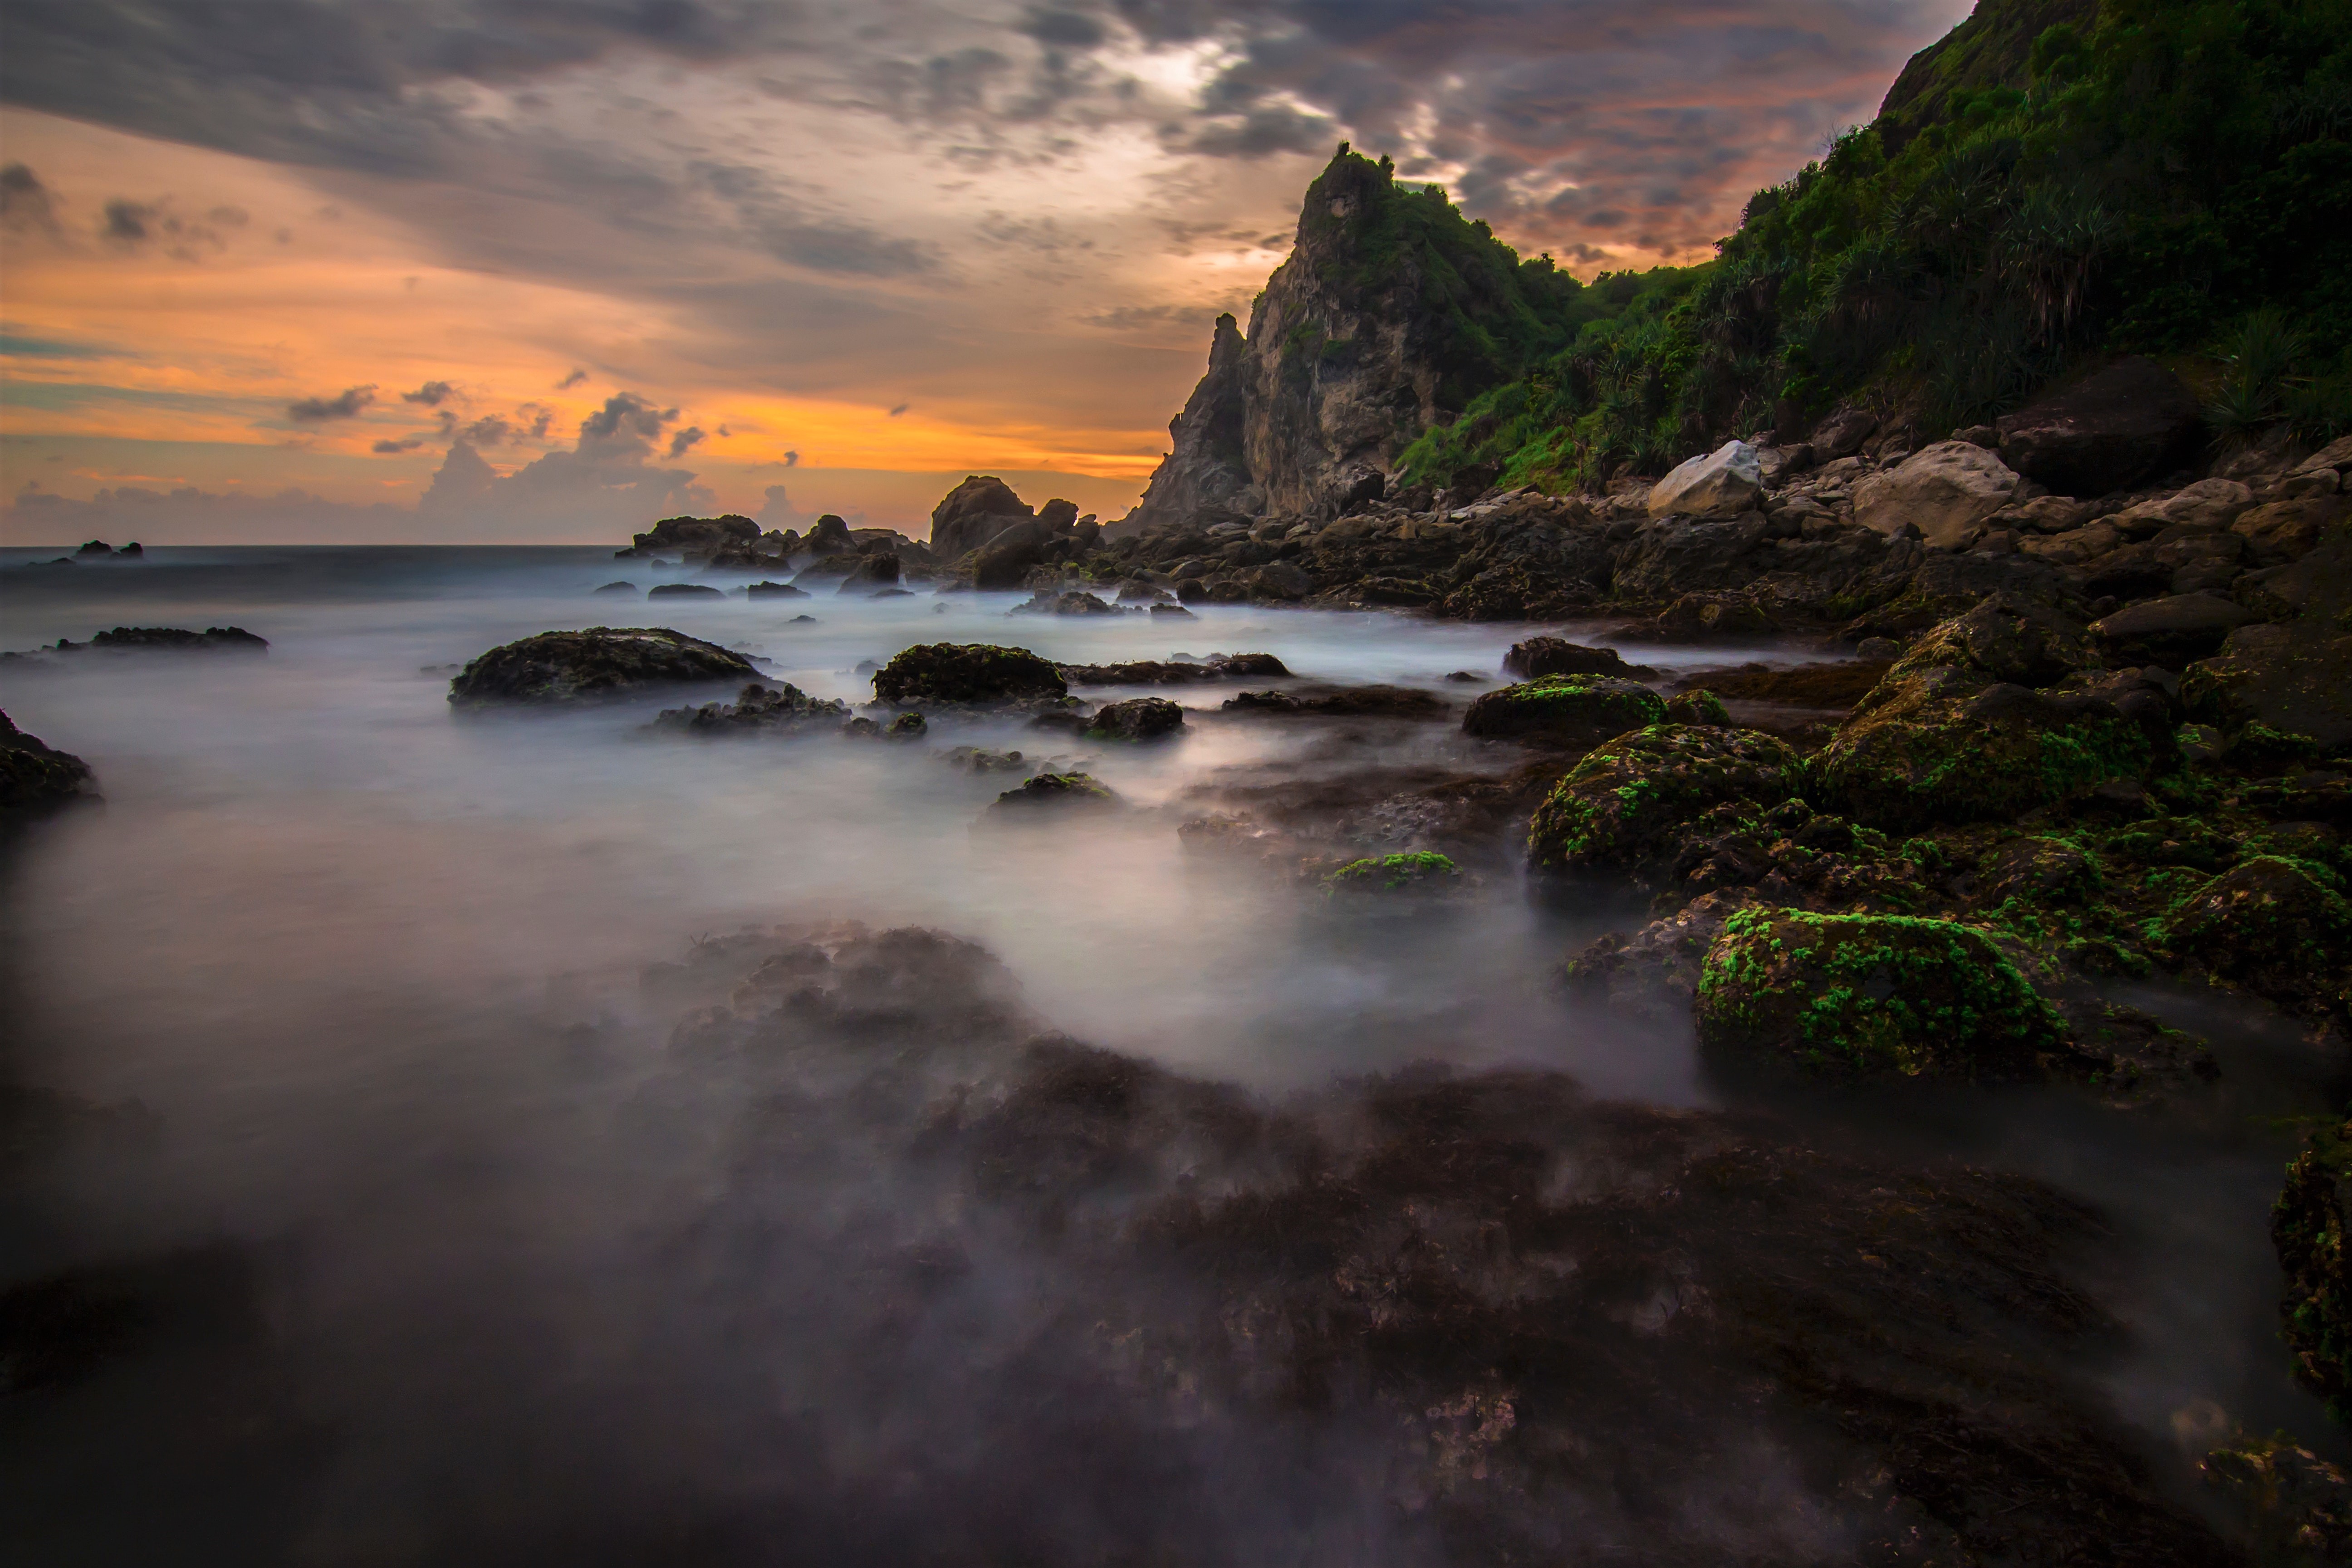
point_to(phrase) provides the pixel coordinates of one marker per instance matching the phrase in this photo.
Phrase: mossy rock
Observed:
(1945, 745)
(1137, 719)
(2308, 1227)
(559, 668)
(34, 776)
(2272, 925)
(1698, 707)
(1621, 805)
(2038, 872)
(1576, 708)
(1870, 999)
(979, 674)
(2171, 841)
(2004, 638)
(1420, 873)
(1055, 792)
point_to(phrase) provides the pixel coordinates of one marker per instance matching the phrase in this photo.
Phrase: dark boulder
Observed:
(600, 662)
(1568, 709)
(212, 639)
(757, 708)
(685, 591)
(34, 776)
(1843, 434)
(875, 569)
(1057, 794)
(829, 535)
(2269, 925)
(1137, 719)
(2107, 432)
(696, 535)
(629, 588)
(1343, 702)
(1557, 655)
(2172, 630)
(1155, 672)
(774, 591)
(974, 512)
(2007, 637)
(1623, 806)
(968, 673)
(2311, 1226)
(1870, 999)
(1047, 602)
(96, 547)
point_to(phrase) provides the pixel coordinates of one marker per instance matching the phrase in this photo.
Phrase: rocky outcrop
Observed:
(556, 667)
(2107, 432)
(1721, 483)
(974, 512)
(968, 673)
(34, 776)
(1565, 709)
(693, 535)
(1137, 719)
(757, 709)
(1390, 314)
(1946, 491)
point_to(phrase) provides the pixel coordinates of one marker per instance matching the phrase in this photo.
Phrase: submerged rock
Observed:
(1342, 702)
(971, 674)
(1054, 793)
(629, 588)
(1421, 872)
(757, 708)
(1577, 710)
(1862, 998)
(1137, 719)
(1156, 672)
(34, 776)
(1622, 804)
(685, 591)
(1557, 655)
(599, 662)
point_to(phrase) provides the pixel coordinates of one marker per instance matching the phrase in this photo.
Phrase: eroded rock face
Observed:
(599, 662)
(979, 674)
(1568, 708)
(1863, 998)
(1624, 804)
(1723, 483)
(34, 776)
(2107, 432)
(1946, 491)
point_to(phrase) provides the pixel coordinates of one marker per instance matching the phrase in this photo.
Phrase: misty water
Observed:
(352, 992)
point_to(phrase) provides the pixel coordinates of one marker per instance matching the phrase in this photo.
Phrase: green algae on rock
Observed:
(970, 673)
(1422, 871)
(2308, 1227)
(1048, 792)
(1572, 708)
(1697, 706)
(1621, 803)
(1943, 745)
(1860, 998)
(2274, 925)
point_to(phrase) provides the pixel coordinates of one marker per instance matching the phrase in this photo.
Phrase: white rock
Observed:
(1946, 491)
(2208, 503)
(1723, 483)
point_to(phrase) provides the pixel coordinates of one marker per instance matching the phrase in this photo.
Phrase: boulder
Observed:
(1006, 560)
(596, 663)
(1577, 710)
(34, 776)
(629, 588)
(1843, 434)
(1622, 804)
(95, 547)
(1557, 655)
(1279, 580)
(173, 639)
(2208, 504)
(2106, 433)
(695, 535)
(1410, 875)
(968, 673)
(2007, 637)
(685, 591)
(973, 513)
(1137, 719)
(2287, 530)
(1948, 745)
(1723, 483)
(829, 535)
(1697, 706)
(774, 591)
(2267, 924)
(1055, 792)
(1946, 491)
(1342, 702)
(1870, 999)
(876, 570)
(1669, 557)
(1047, 602)
(2171, 630)
(756, 709)
(2311, 1226)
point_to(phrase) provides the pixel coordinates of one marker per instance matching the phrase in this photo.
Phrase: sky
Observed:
(543, 270)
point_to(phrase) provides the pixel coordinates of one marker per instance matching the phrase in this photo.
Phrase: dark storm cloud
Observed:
(345, 404)
(779, 224)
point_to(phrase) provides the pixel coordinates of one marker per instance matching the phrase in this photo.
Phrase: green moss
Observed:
(1416, 871)
(1565, 707)
(1852, 998)
(1621, 805)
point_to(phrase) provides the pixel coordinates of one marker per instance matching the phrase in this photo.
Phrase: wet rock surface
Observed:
(974, 674)
(34, 776)
(556, 667)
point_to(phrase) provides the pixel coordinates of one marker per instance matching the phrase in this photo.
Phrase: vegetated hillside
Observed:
(2054, 180)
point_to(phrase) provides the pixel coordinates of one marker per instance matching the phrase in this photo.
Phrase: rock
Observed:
(775, 591)
(1279, 580)
(600, 662)
(1177, 672)
(2208, 503)
(1843, 434)
(2311, 1226)
(2202, 562)
(1946, 491)
(980, 760)
(1723, 483)
(1978, 435)
(1621, 806)
(2036, 872)
(629, 588)
(34, 776)
(1579, 710)
(2294, 1507)
(829, 535)
(968, 673)
(1416, 874)
(1176, 612)
(1006, 561)
(695, 535)
(1653, 974)
(171, 640)
(1948, 745)
(1055, 792)
(2171, 630)
(2007, 637)
(1697, 706)
(873, 570)
(2105, 433)
(2289, 677)
(1135, 591)
(1557, 655)
(1076, 603)
(1715, 615)
(1137, 719)
(755, 708)
(1870, 999)
(973, 513)
(2287, 530)
(2266, 924)
(685, 591)
(1342, 702)
(909, 727)
(96, 547)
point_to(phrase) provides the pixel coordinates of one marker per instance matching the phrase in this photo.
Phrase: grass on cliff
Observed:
(2165, 176)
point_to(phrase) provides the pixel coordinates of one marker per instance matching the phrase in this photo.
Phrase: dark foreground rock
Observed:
(968, 673)
(2309, 1226)
(599, 662)
(1567, 709)
(1137, 719)
(34, 776)
(1342, 702)
(2106, 433)
(1054, 795)
(1177, 672)
(760, 710)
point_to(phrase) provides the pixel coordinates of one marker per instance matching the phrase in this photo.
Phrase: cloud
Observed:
(575, 379)
(25, 202)
(491, 430)
(126, 222)
(1277, 128)
(345, 404)
(791, 459)
(682, 441)
(433, 394)
(901, 408)
(405, 443)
